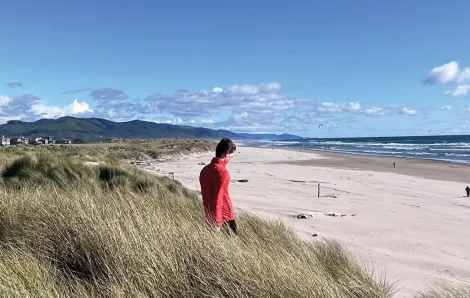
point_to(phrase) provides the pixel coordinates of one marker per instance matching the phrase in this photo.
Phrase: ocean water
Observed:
(446, 148)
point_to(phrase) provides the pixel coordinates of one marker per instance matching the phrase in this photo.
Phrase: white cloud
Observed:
(464, 76)
(390, 110)
(331, 107)
(75, 108)
(44, 111)
(374, 111)
(460, 90)
(254, 89)
(206, 121)
(354, 106)
(446, 108)
(5, 119)
(409, 111)
(217, 90)
(4, 100)
(201, 122)
(28, 107)
(443, 74)
(243, 89)
(239, 116)
(177, 121)
(450, 73)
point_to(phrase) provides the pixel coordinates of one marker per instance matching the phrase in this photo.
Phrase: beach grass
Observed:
(446, 290)
(68, 229)
(71, 227)
(119, 149)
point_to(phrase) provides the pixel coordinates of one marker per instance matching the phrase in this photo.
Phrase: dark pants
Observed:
(230, 227)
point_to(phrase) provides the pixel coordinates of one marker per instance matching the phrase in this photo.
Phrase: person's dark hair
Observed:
(225, 146)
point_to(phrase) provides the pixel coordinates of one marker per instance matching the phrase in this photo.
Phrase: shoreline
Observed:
(452, 161)
(416, 167)
(423, 153)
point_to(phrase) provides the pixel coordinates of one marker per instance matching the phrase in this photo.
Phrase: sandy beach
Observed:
(412, 221)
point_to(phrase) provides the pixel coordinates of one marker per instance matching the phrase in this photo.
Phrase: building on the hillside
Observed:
(19, 141)
(4, 141)
(35, 141)
(39, 141)
(50, 140)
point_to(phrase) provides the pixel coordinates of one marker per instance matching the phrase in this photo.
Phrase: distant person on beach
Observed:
(467, 189)
(214, 179)
(394, 165)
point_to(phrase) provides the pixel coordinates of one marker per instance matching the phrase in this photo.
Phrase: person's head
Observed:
(225, 146)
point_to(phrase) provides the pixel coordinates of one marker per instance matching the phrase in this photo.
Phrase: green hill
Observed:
(96, 129)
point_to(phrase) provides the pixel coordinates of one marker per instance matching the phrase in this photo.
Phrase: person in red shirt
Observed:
(215, 179)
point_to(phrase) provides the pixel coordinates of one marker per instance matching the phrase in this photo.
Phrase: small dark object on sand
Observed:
(394, 165)
(315, 235)
(243, 180)
(304, 216)
(336, 214)
(202, 163)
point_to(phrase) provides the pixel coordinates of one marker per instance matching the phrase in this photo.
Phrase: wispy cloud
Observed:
(446, 108)
(460, 90)
(14, 85)
(108, 94)
(252, 99)
(76, 91)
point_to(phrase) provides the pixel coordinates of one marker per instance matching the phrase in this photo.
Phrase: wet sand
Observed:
(429, 169)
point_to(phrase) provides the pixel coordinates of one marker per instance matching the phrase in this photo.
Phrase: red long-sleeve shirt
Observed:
(214, 180)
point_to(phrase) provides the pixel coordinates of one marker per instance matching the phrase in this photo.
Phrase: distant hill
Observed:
(96, 129)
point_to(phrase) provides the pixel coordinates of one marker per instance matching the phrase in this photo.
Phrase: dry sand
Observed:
(412, 221)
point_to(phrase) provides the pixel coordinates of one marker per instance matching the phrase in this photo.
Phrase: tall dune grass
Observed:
(121, 148)
(446, 290)
(72, 230)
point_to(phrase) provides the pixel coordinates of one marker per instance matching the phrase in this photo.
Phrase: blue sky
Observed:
(361, 68)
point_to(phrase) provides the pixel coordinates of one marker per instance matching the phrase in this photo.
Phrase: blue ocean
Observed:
(445, 148)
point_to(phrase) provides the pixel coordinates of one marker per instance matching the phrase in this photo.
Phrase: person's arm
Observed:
(221, 186)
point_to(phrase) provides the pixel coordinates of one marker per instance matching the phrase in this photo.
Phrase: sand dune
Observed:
(412, 222)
